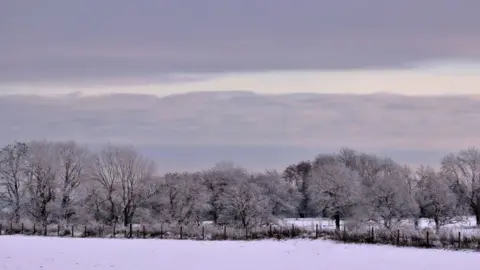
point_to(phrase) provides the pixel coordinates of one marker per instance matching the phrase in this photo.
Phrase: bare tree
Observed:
(181, 199)
(245, 204)
(463, 169)
(13, 178)
(125, 179)
(436, 199)
(72, 160)
(389, 198)
(42, 173)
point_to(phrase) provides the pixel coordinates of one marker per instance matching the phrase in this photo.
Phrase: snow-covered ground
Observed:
(29, 253)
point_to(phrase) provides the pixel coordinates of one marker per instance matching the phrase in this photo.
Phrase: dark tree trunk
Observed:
(475, 205)
(337, 221)
(437, 224)
(477, 218)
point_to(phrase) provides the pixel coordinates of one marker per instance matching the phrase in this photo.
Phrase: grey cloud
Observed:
(239, 125)
(104, 40)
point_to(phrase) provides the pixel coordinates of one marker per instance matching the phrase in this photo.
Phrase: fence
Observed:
(426, 239)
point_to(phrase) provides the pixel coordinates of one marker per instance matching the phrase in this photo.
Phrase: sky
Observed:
(270, 46)
(165, 47)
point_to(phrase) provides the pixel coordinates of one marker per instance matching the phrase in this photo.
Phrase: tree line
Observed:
(68, 183)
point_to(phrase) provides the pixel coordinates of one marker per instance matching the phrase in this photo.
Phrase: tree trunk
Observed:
(437, 225)
(476, 210)
(337, 221)
(477, 217)
(16, 214)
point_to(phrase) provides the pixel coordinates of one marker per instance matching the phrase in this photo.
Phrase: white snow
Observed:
(29, 253)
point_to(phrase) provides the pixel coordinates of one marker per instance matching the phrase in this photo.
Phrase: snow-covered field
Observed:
(29, 253)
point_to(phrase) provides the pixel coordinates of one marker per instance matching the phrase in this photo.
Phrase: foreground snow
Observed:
(25, 253)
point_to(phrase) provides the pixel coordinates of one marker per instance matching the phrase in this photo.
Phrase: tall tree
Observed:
(125, 181)
(72, 160)
(13, 177)
(181, 199)
(245, 204)
(463, 169)
(282, 196)
(436, 199)
(42, 181)
(300, 176)
(216, 182)
(335, 190)
(389, 199)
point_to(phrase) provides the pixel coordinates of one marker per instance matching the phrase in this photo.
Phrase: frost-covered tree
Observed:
(72, 172)
(216, 181)
(335, 190)
(299, 175)
(42, 181)
(349, 157)
(436, 199)
(182, 199)
(463, 169)
(124, 181)
(245, 204)
(371, 167)
(322, 160)
(283, 197)
(388, 198)
(13, 178)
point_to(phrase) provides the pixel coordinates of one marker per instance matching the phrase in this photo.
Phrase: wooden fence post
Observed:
(459, 240)
(292, 233)
(131, 230)
(45, 230)
(316, 231)
(34, 229)
(428, 238)
(1, 228)
(144, 232)
(203, 232)
(270, 233)
(22, 228)
(181, 232)
(398, 237)
(73, 230)
(224, 232)
(114, 231)
(161, 231)
(373, 235)
(99, 232)
(58, 229)
(85, 231)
